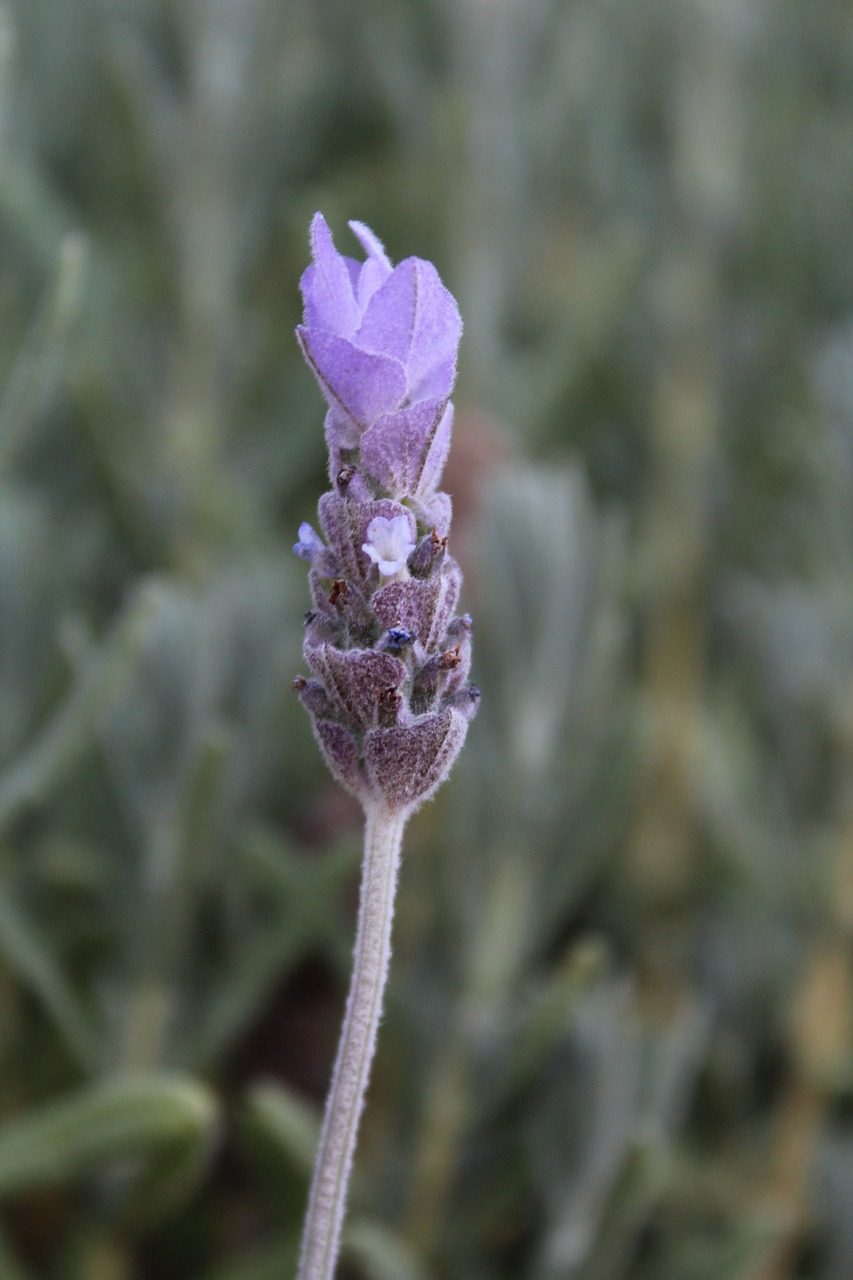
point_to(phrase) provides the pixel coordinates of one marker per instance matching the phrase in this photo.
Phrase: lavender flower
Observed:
(389, 544)
(388, 694)
(382, 343)
(309, 543)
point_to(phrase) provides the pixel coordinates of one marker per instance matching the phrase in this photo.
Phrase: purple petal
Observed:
(435, 341)
(436, 455)
(375, 270)
(353, 679)
(389, 320)
(354, 273)
(371, 244)
(326, 287)
(361, 385)
(370, 278)
(413, 318)
(406, 451)
(341, 753)
(408, 762)
(309, 544)
(431, 367)
(436, 382)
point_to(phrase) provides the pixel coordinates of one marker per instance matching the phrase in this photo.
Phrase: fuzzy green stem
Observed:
(344, 1104)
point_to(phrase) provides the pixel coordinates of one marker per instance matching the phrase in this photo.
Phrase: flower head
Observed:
(389, 661)
(389, 543)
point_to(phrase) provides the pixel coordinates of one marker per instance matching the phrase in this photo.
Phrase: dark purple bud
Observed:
(322, 629)
(466, 701)
(460, 626)
(456, 665)
(398, 638)
(445, 671)
(420, 561)
(312, 696)
(429, 553)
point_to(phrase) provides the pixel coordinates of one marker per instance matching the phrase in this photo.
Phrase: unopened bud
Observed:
(312, 695)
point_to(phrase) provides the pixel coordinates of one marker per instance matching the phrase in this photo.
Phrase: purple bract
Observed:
(382, 342)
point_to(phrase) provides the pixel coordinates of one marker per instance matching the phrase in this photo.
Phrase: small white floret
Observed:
(389, 543)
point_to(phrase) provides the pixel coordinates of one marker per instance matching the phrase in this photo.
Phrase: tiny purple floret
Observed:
(309, 542)
(399, 638)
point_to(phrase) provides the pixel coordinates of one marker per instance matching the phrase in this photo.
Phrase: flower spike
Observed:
(388, 695)
(382, 342)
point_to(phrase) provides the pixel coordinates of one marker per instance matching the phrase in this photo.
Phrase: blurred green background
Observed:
(618, 1042)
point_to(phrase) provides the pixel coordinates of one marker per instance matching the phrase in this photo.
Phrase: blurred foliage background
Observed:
(619, 1036)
